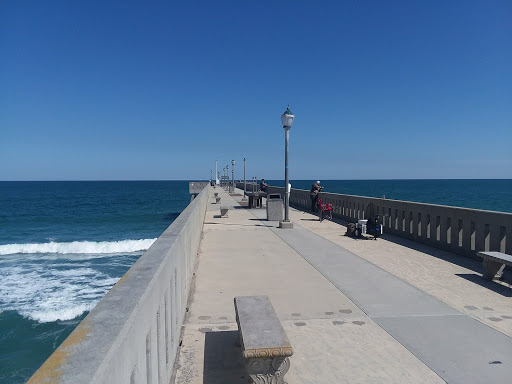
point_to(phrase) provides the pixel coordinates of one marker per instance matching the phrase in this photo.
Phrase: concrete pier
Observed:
(393, 310)
(355, 310)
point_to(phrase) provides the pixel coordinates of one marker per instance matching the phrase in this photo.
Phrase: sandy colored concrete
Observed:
(451, 278)
(334, 341)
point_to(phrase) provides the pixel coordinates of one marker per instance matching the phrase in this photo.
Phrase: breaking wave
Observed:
(79, 247)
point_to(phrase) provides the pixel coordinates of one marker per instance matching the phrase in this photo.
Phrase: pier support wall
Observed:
(133, 333)
(464, 231)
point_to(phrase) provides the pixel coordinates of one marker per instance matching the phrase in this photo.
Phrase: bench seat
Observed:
(265, 346)
(494, 263)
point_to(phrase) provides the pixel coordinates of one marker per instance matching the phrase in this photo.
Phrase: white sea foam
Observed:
(48, 294)
(59, 314)
(79, 247)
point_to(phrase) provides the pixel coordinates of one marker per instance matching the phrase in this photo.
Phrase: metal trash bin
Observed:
(275, 207)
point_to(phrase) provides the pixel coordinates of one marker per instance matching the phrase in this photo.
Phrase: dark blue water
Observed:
(492, 195)
(63, 245)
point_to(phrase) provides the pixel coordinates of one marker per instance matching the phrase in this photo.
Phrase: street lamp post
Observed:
(232, 176)
(287, 121)
(243, 198)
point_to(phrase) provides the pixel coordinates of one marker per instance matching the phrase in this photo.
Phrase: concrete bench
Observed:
(224, 211)
(265, 346)
(494, 263)
(217, 198)
(256, 199)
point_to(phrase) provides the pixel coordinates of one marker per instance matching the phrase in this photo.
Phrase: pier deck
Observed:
(355, 311)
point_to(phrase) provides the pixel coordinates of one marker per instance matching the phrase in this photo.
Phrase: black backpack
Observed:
(373, 226)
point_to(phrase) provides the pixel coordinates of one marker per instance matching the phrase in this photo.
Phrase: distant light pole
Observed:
(243, 198)
(287, 121)
(232, 176)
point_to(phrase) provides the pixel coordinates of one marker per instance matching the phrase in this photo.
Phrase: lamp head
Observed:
(287, 118)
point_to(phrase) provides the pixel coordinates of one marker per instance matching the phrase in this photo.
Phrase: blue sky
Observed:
(137, 90)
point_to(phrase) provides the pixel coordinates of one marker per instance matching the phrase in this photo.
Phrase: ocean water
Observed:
(63, 245)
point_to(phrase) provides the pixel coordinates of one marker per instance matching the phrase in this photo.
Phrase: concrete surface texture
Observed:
(354, 310)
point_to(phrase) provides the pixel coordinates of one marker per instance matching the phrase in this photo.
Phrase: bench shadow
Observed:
(223, 361)
(491, 285)
(451, 257)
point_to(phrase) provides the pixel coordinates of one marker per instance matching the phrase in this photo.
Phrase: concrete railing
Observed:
(132, 335)
(461, 230)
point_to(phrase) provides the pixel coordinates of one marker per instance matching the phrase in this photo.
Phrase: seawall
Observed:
(133, 333)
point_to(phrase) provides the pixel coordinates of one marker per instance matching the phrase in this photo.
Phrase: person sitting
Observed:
(315, 190)
(263, 185)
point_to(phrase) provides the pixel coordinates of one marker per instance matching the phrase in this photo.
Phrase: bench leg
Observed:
(493, 270)
(268, 370)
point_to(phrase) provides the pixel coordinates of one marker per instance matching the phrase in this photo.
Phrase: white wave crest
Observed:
(79, 247)
(58, 314)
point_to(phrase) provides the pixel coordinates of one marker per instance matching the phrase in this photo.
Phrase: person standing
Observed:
(263, 186)
(315, 190)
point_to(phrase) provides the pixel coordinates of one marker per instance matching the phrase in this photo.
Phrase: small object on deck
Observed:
(265, 346)
(351, 228)
(256, 199)
(494, 264)
(325, 210)
(275, 209)
(224, 211)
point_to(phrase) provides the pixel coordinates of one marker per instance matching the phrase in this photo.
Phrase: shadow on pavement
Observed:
(462, 261)
(237, 225)
(491, 285)
(223, 361)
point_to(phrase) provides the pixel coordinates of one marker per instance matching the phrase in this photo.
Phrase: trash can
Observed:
(275, 207)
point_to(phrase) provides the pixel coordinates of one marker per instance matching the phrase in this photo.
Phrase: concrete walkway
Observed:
(355, 311)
